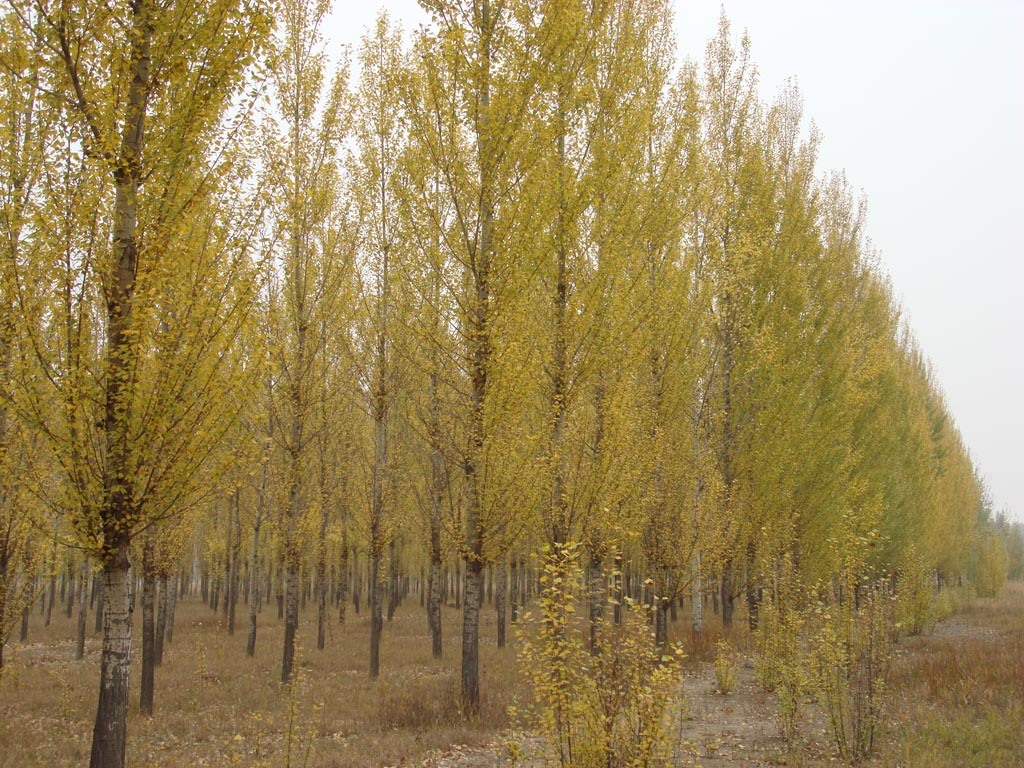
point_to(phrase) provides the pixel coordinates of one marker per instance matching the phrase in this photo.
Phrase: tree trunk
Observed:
(291, 620)
(698, 603)
(726, 590)
(513, 596)
(235, 529)
(596, 599)
(280, 590)
(356, 580)
(148, 630)
(752, 606)
(394, 587)
(661, 621)
(436, 596)
(98, 627)
(457, 585)
(619, 596)
(254, 577)
(434, 606)
(499, 599)
(376, 613)
(343, 587)
(471, 640)
(70, 606)
(163, 598)
(110, 728)
(83, 610)
(172, 602)
(52, 596)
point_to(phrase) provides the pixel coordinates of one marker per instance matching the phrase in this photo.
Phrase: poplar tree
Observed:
(148, 122)
(380, 141)
(302, 137)
(478, 94)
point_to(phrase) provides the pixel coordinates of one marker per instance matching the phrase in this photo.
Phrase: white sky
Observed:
(921, 103)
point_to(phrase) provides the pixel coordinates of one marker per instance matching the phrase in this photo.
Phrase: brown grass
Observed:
(960, 692)
(958, 695)
(216, 707)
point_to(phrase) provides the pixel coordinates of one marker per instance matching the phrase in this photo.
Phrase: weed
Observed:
(610, 709)
(726, 667)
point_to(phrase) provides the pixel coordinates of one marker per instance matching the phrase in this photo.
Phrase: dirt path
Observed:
(716, 731)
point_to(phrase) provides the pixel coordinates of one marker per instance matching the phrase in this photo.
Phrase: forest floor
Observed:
(956, 699)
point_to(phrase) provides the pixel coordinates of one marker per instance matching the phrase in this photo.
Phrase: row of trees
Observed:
(526, 280)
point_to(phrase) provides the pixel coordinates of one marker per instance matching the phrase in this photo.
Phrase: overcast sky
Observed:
(921, 103)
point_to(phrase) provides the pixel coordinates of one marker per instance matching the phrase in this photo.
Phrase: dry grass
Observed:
(960, 692)
(958, 695)
(216, 707)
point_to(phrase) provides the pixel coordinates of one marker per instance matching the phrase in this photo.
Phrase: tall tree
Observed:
(380, 140)
(148, 118)
(472, 133)
(302, 139)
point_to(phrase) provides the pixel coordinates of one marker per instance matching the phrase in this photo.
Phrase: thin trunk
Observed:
(434, 606)
(435, 597)
(236, 559)
(376, 613)
(279, 588)
(83, 609)
(457, 584)
(172, 602)
(394, 577)
(698, 589)
(254, 573)
(513, 596)
(70, 607)
(753, 601)
(596, 578)
(660, 621)
(148, 629)
(51, 597)
(291, 623)
(377, 543)
(163, 598)
(479, 352)
(726, 596)
(357, 580)
(499, 600)
(618, 577)
(228, 569)
(321, 576)
(343, 587)
(98, 627)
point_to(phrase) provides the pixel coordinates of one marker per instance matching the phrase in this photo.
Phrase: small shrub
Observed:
(608, 710)
(851, 655)
(780, 660)
(726, 667)
(914, 606)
